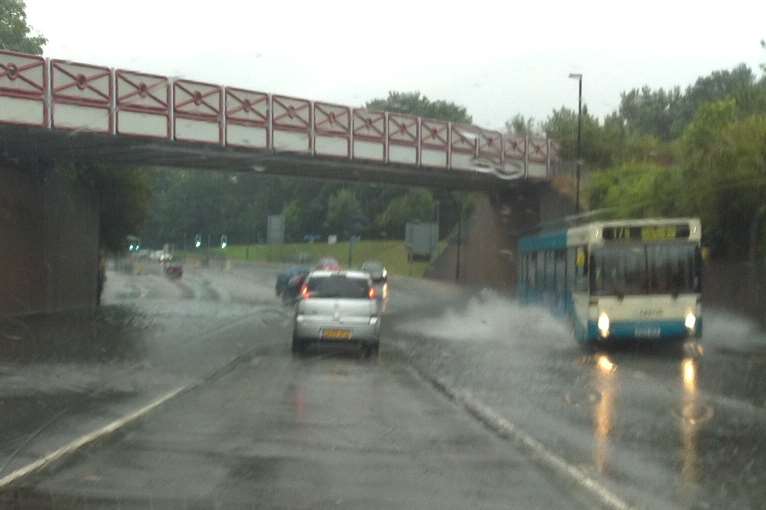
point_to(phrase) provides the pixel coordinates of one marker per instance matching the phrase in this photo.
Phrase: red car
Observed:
(174, 271)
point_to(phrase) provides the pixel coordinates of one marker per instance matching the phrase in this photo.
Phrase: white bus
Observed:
(624, 279)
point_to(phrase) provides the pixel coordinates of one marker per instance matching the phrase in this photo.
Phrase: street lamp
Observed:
(578, 77)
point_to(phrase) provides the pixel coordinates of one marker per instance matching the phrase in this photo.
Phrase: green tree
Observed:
(15, 32)
(344, 214)
(665, 114)
(415, 205)
(651, 112)
(294, 221)
(519, 125)
(638, 189)
(414, 103)
(561, 126)
(725, 170)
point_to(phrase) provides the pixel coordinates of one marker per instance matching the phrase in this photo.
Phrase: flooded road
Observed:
(249, 425)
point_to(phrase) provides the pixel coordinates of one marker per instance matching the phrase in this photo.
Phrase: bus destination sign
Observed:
(646, 233)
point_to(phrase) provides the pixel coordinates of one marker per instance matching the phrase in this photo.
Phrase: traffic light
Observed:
(197, 241)
(224, 241)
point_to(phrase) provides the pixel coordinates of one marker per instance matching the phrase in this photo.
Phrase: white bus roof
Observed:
(591, 233)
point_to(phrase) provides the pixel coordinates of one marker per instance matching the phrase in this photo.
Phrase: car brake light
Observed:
(372, 293)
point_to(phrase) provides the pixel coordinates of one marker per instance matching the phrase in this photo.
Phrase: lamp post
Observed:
(578, 77)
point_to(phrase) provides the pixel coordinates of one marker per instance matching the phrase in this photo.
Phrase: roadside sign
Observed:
(275, 229)
(421, 238)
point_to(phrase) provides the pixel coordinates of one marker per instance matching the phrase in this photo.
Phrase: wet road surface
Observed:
(316, 432)
(676, 427)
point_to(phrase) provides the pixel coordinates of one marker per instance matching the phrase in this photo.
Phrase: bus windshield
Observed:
(663, 268)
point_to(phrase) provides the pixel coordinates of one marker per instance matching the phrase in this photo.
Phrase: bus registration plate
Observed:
(647, 332)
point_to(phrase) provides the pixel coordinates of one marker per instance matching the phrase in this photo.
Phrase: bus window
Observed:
(672, 268)
(560, 272)
(539, 274)
(554, 272)
(645, 269)
(618, 270)
(570, 268)
(522, 276)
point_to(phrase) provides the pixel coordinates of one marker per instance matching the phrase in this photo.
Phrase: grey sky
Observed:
(495, 58)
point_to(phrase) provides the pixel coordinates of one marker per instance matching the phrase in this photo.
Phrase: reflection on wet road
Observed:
(604, 409)
(689, 420)
(662, 427)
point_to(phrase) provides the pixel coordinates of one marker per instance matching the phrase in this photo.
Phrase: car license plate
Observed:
(647, 332)
(336, 334)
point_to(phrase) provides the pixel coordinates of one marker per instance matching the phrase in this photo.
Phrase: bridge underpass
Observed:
(55, 112)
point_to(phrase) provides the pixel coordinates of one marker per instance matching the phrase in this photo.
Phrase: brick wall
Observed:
(48, 242)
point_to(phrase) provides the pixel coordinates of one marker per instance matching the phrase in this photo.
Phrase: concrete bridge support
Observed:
(491, 235)
(49, 225)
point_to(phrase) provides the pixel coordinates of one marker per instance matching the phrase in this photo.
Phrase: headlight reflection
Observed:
(603, 412)
(689, 424)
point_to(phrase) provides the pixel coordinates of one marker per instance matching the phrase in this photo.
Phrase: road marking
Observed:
(87, 439)
(506, 428)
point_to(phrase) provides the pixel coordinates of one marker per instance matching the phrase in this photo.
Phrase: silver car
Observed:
(337, 307)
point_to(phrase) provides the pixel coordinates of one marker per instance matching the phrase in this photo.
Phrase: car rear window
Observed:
(338, 286)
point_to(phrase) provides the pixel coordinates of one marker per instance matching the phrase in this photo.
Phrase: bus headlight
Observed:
(603, 324)
(690, 321)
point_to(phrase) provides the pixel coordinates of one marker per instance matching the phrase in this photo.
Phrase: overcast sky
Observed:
(495, 58)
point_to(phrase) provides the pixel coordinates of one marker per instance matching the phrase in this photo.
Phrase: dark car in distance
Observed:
(379, 277)
(284, 278)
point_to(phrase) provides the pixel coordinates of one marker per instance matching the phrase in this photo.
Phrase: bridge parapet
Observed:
(59, 95)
